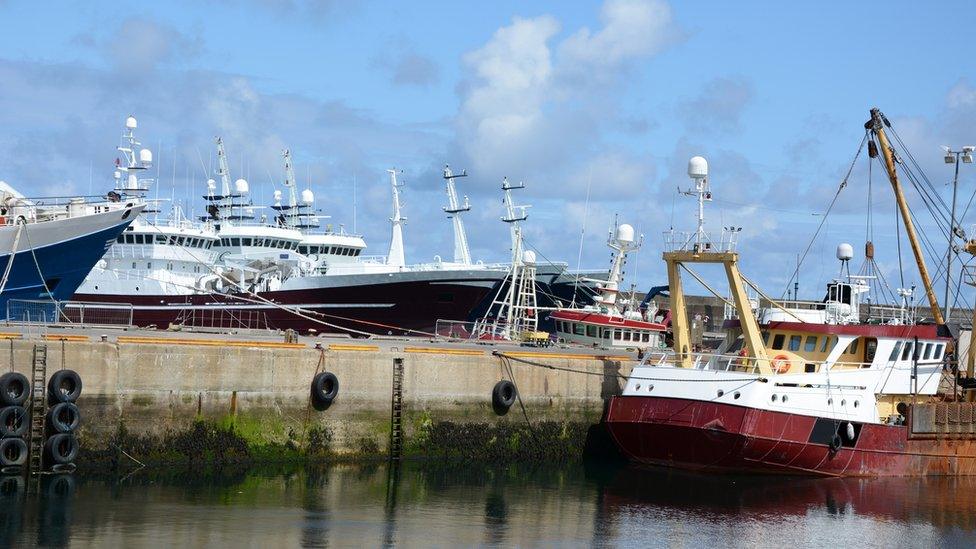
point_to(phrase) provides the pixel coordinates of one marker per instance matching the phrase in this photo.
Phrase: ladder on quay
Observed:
(38, 410)
(396, 411)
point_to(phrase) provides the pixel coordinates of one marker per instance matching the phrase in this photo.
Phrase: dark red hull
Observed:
(709, 436)
(410, 307)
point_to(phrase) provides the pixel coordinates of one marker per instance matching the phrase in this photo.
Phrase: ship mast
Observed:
(622, 241)
(395, 256)
(514, 215)
(292, 191)
(877, 125)
(461, 252)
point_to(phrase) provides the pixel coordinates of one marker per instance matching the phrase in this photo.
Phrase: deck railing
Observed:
(49, 312)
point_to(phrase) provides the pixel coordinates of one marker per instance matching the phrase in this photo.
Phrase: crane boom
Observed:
(877, 125)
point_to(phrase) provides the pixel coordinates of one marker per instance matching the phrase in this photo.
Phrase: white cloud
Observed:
(631, 29)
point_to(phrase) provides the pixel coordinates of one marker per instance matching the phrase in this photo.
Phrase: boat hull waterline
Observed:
(718, 437)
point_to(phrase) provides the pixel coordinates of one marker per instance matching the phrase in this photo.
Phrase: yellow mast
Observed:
(877, 126)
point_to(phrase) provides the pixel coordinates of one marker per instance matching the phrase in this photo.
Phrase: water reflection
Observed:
(436, 504)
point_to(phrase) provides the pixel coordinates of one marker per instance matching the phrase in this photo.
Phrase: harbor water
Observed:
(425, 504)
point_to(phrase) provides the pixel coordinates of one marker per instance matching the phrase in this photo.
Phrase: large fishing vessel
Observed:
(49, 245)
(818, 389)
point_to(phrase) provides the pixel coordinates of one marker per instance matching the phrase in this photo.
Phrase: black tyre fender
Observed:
(503, 395)
(13, 452)
(64, 386)
(835, 442)
(14, 389)
(325, 388)
(64, 417)
(13, 421)
(61, 448)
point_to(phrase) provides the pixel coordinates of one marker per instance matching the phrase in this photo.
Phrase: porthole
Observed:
(720, 393)
(650, 388)
(784, 398)
(774, 397)
(637, 387)
(736, 395)
(856, 403)
(843, 403)
(830, 401)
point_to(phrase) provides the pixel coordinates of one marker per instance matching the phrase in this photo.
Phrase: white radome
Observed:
(528, 257)
(308, 196)
(625, 233)
(277, 196)
(145, 156)
(845, 252)
(241, 185)
(131, 123)
(697, 167)
(211, 184)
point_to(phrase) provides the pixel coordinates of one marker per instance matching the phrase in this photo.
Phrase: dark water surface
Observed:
(437, 505)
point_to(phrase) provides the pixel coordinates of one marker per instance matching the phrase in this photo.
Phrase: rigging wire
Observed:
(826, 214)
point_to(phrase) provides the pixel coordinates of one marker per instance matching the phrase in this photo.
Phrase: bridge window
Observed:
(938, 351)
(590, 330)
(617, 335)
(577, 329)
(778, 341)
(811, 344)
(646, 337)
(906, 351)
(870, 349)
(895, 351)
(928, 351)
(795, 343)
(824, 345)
(606, 333)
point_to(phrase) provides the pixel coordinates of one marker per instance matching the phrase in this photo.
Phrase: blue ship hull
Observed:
(64, 266)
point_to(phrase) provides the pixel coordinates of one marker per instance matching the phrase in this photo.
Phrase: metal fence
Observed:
(222, 318)
(31, 311)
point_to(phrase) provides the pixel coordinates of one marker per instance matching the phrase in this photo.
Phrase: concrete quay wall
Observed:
(142, 394)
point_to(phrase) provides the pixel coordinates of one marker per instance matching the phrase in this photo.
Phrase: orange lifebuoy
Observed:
(781, 364)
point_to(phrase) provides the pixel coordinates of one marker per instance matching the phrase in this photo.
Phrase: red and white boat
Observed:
(834, 395)
(610, 322)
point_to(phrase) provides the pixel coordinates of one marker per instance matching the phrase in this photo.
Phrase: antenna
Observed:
(396, 257)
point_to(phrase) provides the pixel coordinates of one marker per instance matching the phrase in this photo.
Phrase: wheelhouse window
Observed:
(811, 344)
(928, 351)
(938, 351)
(906, 350)
(870, 349)
(895, 351)
(778, 340)
(851, 348)
(578, 329)
(795, 343)
(826, 344)
(590, 330)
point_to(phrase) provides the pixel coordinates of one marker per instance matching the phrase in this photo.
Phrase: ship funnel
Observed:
(625, 234)
(697, 167)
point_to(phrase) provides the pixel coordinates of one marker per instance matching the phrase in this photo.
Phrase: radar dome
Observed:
(211, 184)
(697, 167)
(277, 196)
(145, 156)
(528, 257)
(131, 123)
(307, 196)
(241, 186)
(845, 252)
(625, 233)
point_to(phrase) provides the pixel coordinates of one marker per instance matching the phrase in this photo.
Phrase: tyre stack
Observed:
(63, 419)
(14, 422)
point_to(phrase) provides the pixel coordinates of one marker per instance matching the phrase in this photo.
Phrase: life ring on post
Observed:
(744, 356)
(780, 364)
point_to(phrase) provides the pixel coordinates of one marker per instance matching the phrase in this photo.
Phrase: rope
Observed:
(10, 263)
(41, 275)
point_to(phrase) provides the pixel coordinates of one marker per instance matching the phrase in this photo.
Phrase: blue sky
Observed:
(613, 95)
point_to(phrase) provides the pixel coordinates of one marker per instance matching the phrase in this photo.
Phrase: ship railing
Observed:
(732, 362)
(460, 330)
(692, 241)
(76, 313)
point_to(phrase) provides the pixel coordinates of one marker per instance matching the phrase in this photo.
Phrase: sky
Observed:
(595, 106)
